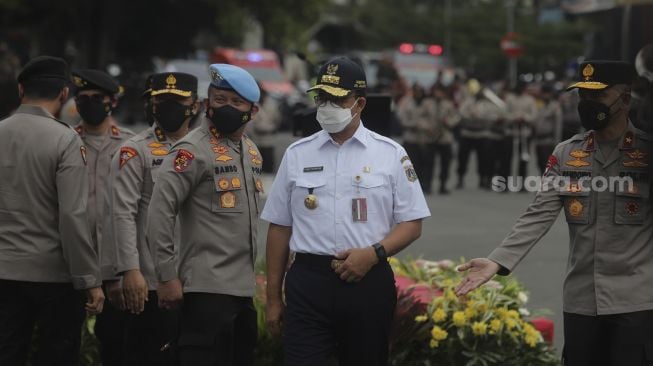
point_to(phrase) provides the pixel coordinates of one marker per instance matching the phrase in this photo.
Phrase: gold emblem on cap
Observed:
(171, 81)
(79, 82)
(575, 208)
(588, 71)
(310, 202)
(332, 69)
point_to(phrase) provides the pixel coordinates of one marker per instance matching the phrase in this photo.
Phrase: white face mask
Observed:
(334, 119)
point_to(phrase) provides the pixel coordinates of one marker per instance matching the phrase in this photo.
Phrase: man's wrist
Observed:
(379, 251)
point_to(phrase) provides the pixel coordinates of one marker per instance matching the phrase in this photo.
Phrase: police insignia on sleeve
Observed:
(126, 153)
(410, 173)
(550, 164)
(183, 160)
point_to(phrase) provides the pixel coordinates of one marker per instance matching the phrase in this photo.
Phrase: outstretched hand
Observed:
(479, 271)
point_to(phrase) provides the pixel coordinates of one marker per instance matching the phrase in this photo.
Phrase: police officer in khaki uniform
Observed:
(133, 174)
(608, 292)
(95, 98)
(211, 179)
(45, 243)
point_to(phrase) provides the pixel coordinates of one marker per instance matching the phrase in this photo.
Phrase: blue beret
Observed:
(230, 77)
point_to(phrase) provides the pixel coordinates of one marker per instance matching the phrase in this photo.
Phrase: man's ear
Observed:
(254, 110)
(64, 94)
(196, 107)
(362, 101)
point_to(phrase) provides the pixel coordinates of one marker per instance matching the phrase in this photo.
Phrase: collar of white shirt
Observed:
(361, 135)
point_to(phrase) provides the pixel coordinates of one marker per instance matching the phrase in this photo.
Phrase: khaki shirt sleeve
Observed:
(181, 170)
(534, 223)
(72, 190)
(126, 183)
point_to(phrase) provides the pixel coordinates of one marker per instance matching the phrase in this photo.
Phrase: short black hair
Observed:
(43, 88)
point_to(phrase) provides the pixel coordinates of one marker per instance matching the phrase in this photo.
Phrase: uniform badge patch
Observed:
(228, 200)
(636, 155)
(82, 150)
(632, 208)
(155, 145)
(183, 160)
(223, 158)
(405, 158)
(575, 208)
(579, 154)
(235, 182)
(259, 186)
(159, 152)
(115, 131)
(223, 183)
(256, 161)
(126, 153)
(252, 152)
(635, 164)
(410, 173)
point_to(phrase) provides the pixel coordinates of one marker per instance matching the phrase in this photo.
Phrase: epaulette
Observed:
(304, 140)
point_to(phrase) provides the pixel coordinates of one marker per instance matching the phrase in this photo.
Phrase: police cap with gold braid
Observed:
(599, 74)
(89, 79)
(340, 76)
(177, 83)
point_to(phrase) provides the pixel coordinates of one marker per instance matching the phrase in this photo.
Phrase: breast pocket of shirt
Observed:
(310, 196)
(577, 207)
(371, 187)
(227, 197)
(631, 203)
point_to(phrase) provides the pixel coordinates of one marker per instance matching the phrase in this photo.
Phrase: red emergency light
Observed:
(406, 48)
(435, 49)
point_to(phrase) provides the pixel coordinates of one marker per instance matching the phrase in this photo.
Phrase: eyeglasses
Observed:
(321, 101)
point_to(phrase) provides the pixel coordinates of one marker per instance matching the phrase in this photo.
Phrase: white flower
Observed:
(524, 312)
(522, 297)
(494, 285)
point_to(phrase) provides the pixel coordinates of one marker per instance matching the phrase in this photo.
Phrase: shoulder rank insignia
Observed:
(636, 155)
(126, 153)
(228, 200)
(410, 173)
(577, 163)
(635, 164)
(159, 152)
(224, 158)
(82, 150)
(629, 139)
(579, 154)
(183, 160)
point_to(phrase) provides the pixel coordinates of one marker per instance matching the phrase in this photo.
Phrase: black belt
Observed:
(314, 260)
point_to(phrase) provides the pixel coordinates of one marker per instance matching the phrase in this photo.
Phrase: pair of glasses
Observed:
(336, 102)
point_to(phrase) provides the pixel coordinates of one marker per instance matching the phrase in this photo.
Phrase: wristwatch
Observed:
(380, 251)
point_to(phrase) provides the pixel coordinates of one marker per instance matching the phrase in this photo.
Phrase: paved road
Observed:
(470, 223)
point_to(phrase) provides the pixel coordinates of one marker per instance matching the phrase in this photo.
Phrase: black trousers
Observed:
(609, 340)
(217, 330)
(56, 309)
(110, 332)
(444, 154)
(267, 153)
(147, 333)
(327, 318)
(483, 156)
(423, 157)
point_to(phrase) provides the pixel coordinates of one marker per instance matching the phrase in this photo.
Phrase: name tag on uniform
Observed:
(312, 169)
(359, 209)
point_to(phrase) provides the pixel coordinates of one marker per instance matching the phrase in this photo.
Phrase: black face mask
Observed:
(594, 115)
(170, 115)
(149, 114)
(228, 119)
(93, 111)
